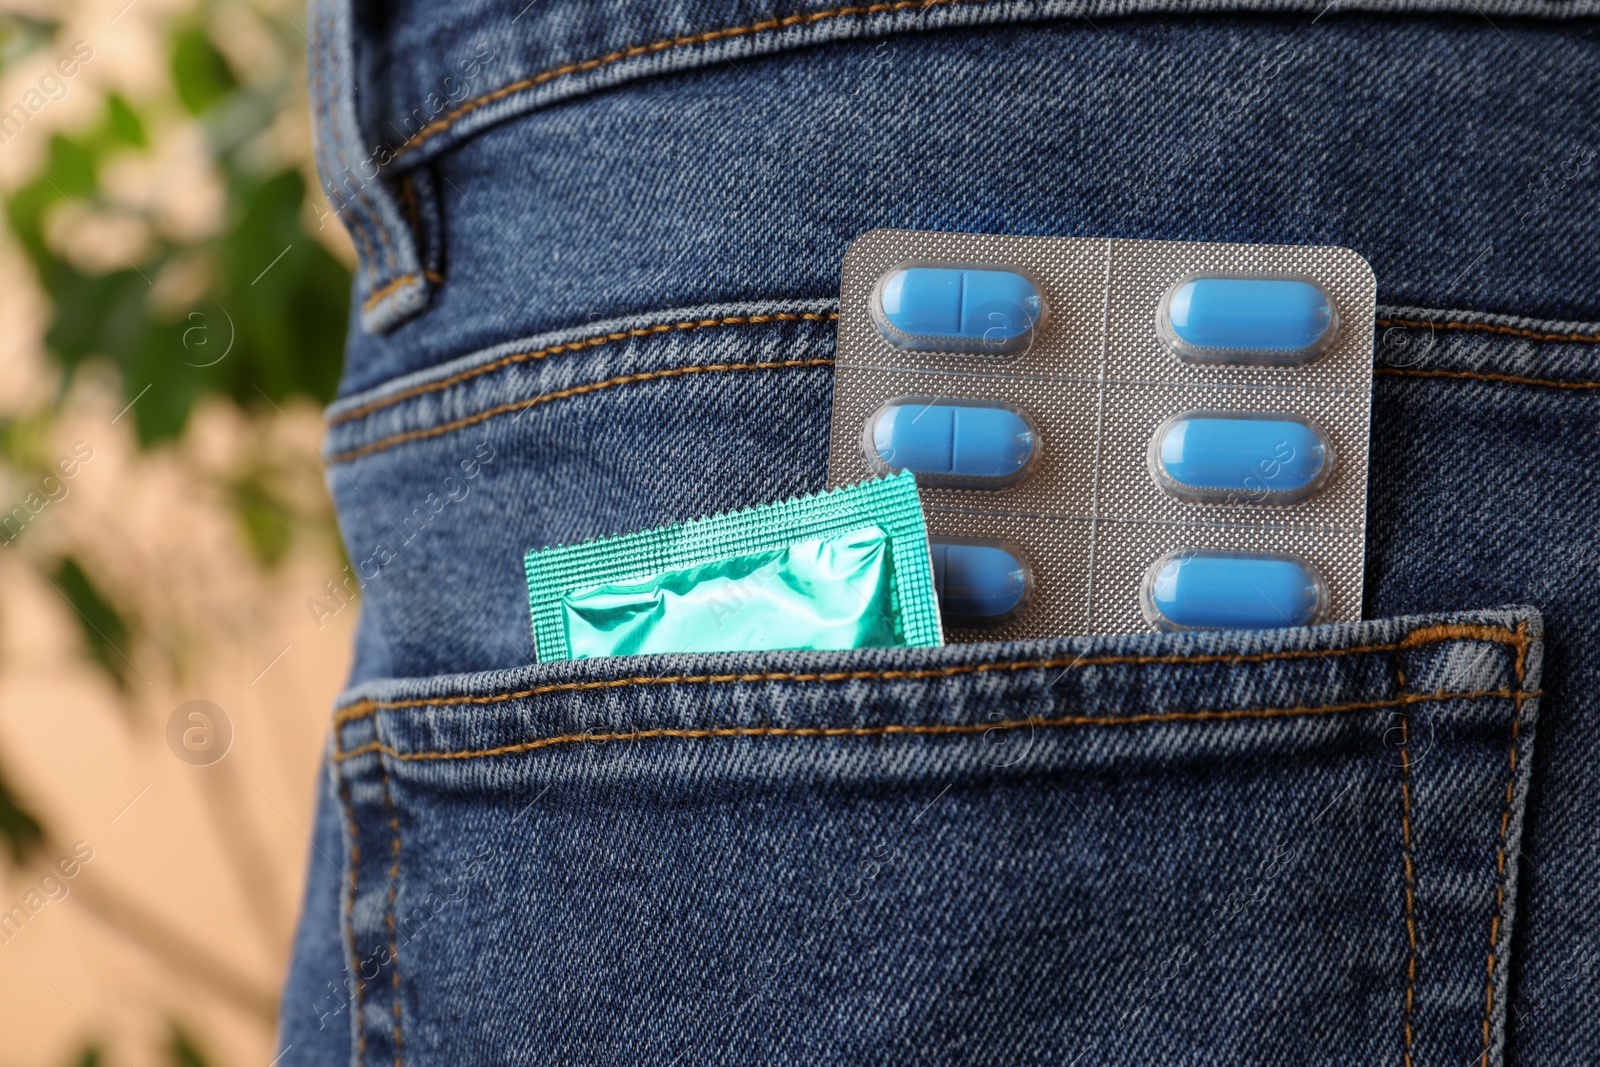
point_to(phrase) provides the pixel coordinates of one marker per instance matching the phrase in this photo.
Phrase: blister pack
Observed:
(1111, 436)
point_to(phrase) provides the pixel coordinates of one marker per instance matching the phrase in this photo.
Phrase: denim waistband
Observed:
(392, 88)
(544, 52)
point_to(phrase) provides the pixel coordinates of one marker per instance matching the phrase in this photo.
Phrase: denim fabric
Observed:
(1449, 151)
(391, 280)
(1485, 492)
(1306, 846)
(1146, 850)
(444, 75)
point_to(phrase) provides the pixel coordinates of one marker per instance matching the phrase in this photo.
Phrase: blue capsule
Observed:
(1193, 590)
(979, 583)
(1248, 320)
(1240, 457)
(952, 442)
(958, 307)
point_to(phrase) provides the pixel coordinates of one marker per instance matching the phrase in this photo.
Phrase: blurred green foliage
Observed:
(264, 315)
(182, 1050)
(20, 829)
(271, 319)
(20, 34)
(199, 72)
(105, 631)
(265, 523)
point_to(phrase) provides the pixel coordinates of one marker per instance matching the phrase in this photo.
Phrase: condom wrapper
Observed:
(843, 569)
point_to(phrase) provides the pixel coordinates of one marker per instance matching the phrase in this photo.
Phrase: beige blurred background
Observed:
(172, 300)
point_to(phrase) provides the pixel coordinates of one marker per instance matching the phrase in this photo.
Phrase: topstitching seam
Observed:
(349, 892)
(378, 295)
(917, 729)
(1409, 868)
(1425, 635)
(1484, 376)
(449, 119)
(385, 443)
(1500, 855)
(323, 97)
(593, 341)
(1490, 327)
(394, 884)
(393, 440)
(596, 340)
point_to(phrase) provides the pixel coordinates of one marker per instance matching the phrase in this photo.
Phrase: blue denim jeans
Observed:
(599, 264)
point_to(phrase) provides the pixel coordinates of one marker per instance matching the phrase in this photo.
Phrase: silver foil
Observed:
(1098, 380)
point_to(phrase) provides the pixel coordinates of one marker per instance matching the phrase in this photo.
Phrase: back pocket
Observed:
(1283, 847)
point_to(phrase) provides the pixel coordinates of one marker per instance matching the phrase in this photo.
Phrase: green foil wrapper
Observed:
(815, 592)
(844, 569)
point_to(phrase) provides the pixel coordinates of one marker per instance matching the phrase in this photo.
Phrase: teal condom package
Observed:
(843, 569)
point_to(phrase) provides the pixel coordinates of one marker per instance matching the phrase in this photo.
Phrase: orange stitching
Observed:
(904, 729)
(1522, 650)
(1406, 858)
(738, 320)
(1583, 338)
(379, 294)
(394, 881)
(318, 93)
(408, 197)
(1416, 638)
(366, 246)
(1452, 631)
(561, 394)
(1424, 635)
(1482, 377)
(576, 346)
(350, 902)
(600, 339)
(1500, 856)
(441, 124)
(378, 228)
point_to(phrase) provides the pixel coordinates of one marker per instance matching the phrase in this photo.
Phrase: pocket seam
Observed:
(1407, 860)
(580, 345)
(935, 729)
(349, 893)
(1500, 857)
(1491, 327)
(394, 882)
(1425, 635)
(1479, 376)
(1518, 640)
(385, 443)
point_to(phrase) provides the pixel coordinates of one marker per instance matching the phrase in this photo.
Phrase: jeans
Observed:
(600, 251)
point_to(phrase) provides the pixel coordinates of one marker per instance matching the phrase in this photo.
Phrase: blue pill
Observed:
(1248, 320)
(1241, 457)
(948, 442)
(956, 308)
(978, 582)
(1232, 591)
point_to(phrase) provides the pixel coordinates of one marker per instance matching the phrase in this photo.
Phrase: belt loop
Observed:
(392, 284)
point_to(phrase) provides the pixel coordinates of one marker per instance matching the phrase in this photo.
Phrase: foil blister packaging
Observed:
(1095, 380)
